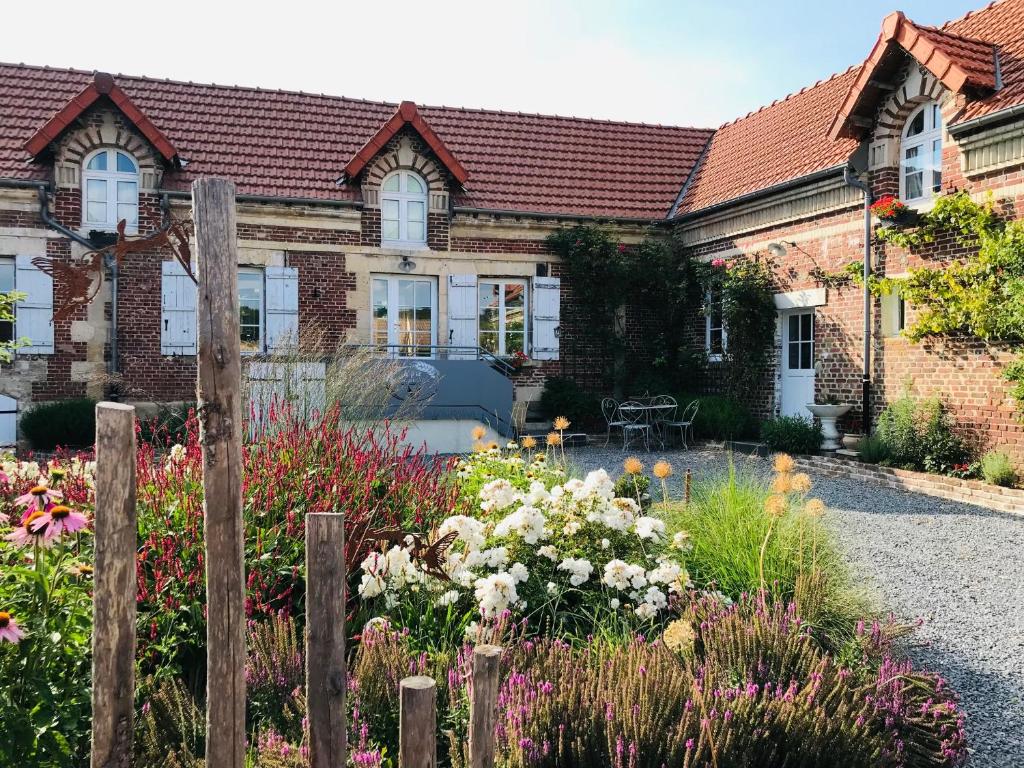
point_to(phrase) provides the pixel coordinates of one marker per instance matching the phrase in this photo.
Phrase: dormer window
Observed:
(110, 190)
(921, 154)
(403, 210)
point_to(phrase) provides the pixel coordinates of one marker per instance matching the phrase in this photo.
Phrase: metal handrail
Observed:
(443, 352)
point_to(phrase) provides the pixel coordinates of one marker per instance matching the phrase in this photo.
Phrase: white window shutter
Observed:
(282, 308)
(462, 315)
(178, 311)
(547, 304)
(34, 315)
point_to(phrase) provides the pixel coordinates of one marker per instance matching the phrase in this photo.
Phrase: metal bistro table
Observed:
(646, 413)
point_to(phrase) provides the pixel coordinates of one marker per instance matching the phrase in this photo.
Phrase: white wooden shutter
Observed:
(282, 306)
(178, 311)
(462, 314)
(547, 303)
(34, 315)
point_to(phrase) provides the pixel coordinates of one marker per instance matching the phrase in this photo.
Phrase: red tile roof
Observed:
(406, 114)
(790, 139)
(962, 64)
(786, 140)
(289, 144)
(1001, 23)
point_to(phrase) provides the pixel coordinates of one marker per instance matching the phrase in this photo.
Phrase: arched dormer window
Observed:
(921, 154)
(403, 209)
(110, 190)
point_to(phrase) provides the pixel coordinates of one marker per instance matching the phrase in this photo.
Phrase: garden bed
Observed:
(967, 491)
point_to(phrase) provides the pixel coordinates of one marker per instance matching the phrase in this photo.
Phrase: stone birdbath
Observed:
(828, 414)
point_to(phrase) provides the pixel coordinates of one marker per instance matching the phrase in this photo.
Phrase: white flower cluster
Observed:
(576, 537)
(31, 472)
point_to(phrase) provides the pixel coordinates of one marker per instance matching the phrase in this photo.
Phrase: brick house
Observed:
(422, 229)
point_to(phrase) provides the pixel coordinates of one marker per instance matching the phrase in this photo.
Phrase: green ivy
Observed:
(749, 316)
(980, 296)
(662, 275)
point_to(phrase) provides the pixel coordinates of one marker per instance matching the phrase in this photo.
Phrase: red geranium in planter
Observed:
(889, 208)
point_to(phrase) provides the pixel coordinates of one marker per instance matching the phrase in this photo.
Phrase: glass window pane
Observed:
(406, 293)
(416, 232)
(913, 185)
(98, 162)
(389, 229)
(127, 192)
(805, 355)
(389, 209)
(128, 212)
(380, 293)
(423, 294)
(124, 163)
(513, 343)
(805, 327)
(6, 275)
(96, 212)
(917, 124)
(250, 336)
(414, 184)
(96, 190)
(912, 157)
(715, 346)
(794, 327)
(488, 295)
(515, 294)
(391, 184)
(415, 210)
(489, 341)
(515, 319)
(794, 356)
(6, 330)
(936, 116)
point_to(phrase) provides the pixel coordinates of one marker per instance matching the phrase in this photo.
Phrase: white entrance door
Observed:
(405, 315)
(797, 362)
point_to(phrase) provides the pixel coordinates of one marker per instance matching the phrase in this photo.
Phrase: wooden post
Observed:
(219, 394)
(325, 639)
(417, 723)
(686, 490)
(486, 660)
(113, 607)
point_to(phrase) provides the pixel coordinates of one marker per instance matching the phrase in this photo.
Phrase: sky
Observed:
(681, 62)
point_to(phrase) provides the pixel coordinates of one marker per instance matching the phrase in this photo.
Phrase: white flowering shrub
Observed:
(517, 467)
(562, 556)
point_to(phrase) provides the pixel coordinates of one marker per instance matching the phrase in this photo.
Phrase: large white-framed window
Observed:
(921, 154)
(251, 315)
(893, 314)
(403, 210)
(715, 336)
(404, 310)
(110, 190)
(502, 315)
(7, 273)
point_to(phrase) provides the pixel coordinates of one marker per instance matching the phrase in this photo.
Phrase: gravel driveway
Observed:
(957, 567)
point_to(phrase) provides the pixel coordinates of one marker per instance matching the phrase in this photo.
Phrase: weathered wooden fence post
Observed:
(325, 639)
(113, 638)
(417, 723)
(219, 394)
(486, 663)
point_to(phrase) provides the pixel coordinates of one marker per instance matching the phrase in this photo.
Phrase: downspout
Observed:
(851, 179)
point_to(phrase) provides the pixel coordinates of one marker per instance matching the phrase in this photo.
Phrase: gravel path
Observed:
(957, 567)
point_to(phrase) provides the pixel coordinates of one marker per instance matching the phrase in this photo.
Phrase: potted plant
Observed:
(518, 359)
(890, 210)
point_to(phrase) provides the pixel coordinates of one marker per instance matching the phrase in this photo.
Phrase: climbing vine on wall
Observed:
(747, 292)
(661, 276)
(981, 295)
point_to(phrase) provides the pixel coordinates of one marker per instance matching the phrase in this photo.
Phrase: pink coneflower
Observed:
(9, 629)
(26, 535)
(58, 519)
(38, 496)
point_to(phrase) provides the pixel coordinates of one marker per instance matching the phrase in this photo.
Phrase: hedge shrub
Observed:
(63, 423)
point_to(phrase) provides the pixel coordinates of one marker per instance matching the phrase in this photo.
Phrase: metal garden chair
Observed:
(635, 416)
(685, 422)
